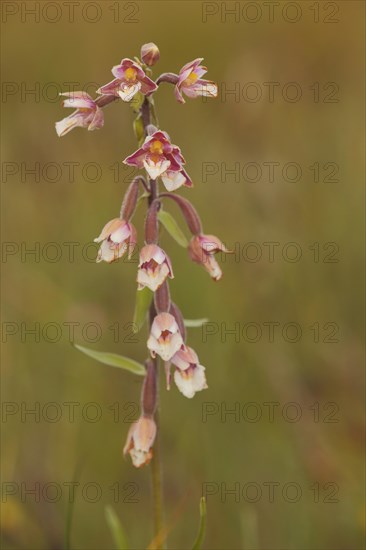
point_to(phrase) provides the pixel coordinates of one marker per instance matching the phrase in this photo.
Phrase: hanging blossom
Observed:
(202, 249)
(165, 338)
(154, 267)
(189, 375)
(162, 160)
(130, 78)
(140, 440)
(117, 237)
(87, 114)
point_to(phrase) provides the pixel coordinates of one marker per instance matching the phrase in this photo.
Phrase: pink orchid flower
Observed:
(87, 114)
(189, 375)
(191, 83)
(129, 79)
(116, 237)
(165, 338)
(202, 249)
(140, 440)
(154, 267)
(160, 157)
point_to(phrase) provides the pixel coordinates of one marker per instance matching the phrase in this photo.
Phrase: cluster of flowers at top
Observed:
(162, 160)
(130, 79)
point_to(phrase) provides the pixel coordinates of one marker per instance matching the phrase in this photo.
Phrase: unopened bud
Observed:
(162, 298)
(150, 54)
(130, 199)
(151, 223)
(177, 314)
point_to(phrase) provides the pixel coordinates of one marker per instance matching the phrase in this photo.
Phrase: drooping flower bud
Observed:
(177, 314)
(162, 298)
(117, 237)
(202, 249)
(189, 375)
(152, 224)
(189, 212)
(154, 267)
(130, 199)
(150, 54)
(165, 338)
(140, 440)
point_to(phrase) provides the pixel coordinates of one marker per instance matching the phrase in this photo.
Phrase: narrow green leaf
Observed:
(201, 533)
(138, 127)
(143, 301)
(116, 528)
(195, 323)
(141, 198)
(137, 101)
(173, 228)
(114, 360)
(70, 508)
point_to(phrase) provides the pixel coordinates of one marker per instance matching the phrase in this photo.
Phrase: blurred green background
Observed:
(320, 454)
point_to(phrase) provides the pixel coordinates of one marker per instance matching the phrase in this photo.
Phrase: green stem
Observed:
(157, 490)
(156, 466)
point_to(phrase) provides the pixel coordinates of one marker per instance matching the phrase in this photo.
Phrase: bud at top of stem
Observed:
(150, 54)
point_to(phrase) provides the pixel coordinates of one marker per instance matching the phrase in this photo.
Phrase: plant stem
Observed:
(156, 478)
(156, 467)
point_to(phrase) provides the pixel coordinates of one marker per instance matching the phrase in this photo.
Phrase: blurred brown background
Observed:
(316, 380)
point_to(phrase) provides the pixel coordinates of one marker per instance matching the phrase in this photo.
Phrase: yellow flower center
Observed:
(156, 148)
(130, 74)
(191, 79)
